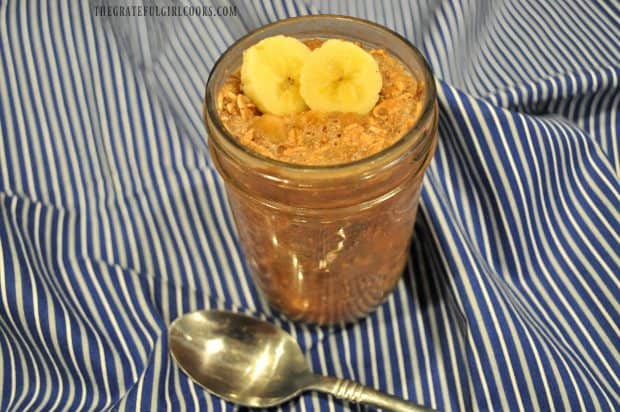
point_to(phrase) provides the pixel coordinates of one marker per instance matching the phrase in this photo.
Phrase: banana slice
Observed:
(270, 74)
(340, 77)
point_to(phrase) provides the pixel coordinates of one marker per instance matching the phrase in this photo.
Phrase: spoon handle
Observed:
(354, 392)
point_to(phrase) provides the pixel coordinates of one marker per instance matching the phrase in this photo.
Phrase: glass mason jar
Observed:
(325, 244)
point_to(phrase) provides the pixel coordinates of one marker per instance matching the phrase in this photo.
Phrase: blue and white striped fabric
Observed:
(113, 220)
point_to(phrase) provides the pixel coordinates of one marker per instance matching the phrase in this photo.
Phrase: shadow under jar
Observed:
(325, 244)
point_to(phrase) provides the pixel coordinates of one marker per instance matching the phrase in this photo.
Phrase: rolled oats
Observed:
(314, 138)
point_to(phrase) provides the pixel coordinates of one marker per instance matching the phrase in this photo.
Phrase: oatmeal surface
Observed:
(314, 138)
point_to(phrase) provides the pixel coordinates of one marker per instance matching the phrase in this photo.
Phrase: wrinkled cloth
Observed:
(113, 220)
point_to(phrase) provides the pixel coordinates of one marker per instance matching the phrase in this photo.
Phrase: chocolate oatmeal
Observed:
(315, 138)
(324, 245)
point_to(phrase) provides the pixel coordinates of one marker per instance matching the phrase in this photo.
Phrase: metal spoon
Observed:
(254, 363)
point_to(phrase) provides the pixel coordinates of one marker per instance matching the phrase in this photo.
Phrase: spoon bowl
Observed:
(239, 358)
(253, 363)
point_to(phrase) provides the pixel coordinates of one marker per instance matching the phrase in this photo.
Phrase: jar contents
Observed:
(324, 102)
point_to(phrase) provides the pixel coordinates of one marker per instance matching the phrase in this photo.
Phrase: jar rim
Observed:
(426, 113)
